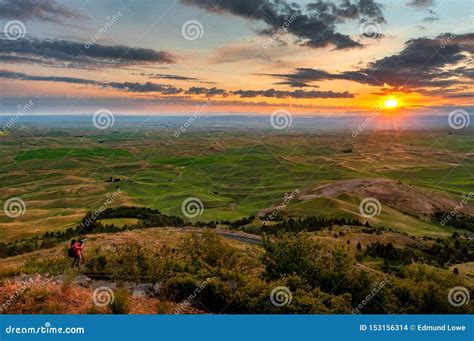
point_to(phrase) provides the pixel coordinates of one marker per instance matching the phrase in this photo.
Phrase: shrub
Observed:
(120, 304)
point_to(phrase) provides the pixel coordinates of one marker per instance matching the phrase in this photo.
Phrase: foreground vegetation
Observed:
(320, 279)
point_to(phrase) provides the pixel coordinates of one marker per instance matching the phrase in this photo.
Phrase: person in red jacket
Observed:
(77, 248)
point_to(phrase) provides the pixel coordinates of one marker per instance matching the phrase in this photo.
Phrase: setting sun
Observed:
(391, 103)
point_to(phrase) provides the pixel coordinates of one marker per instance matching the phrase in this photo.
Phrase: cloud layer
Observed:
(164, 89)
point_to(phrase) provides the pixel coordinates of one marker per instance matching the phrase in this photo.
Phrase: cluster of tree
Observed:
(242, 222)
(458, 221)
(309, 224)
(442, 253)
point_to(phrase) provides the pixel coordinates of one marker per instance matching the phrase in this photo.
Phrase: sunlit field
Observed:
(251, 157)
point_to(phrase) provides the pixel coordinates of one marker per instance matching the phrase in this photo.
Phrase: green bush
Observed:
(120, 304)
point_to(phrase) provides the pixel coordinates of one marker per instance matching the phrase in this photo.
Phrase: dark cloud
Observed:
(172, 77)
(22, 76)
(75, 54)
(432, 16)
(205, 91)
(316, 28)
(175, 77)
(292, 94)
(42, 10)
(425, 5)
(423, 63)
(128, 86)
(145, 87)
(421, 4)
(171, 90)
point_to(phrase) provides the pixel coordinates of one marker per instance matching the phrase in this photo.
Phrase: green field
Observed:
(234, 173)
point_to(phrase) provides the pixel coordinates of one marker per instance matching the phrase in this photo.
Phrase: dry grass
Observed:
(45, 296)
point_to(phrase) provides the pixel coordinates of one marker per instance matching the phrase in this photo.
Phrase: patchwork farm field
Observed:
(235, 174)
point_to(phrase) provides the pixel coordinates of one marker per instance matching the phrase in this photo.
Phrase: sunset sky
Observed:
(241, 56)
